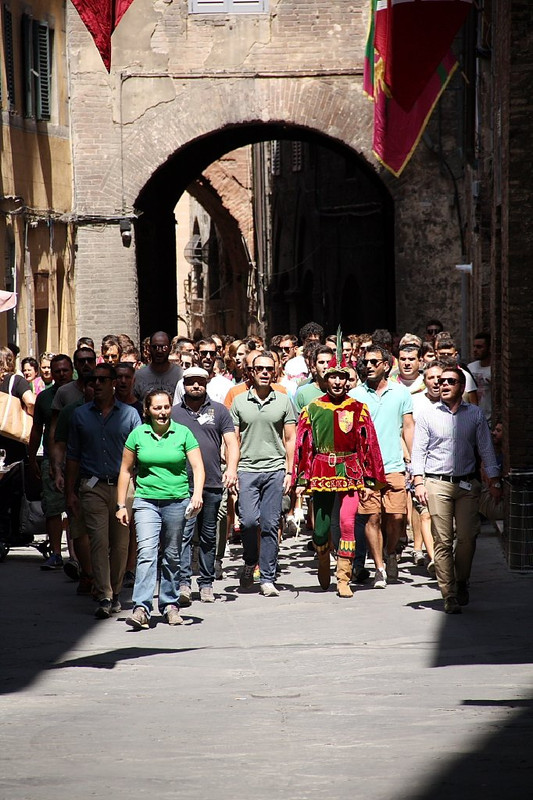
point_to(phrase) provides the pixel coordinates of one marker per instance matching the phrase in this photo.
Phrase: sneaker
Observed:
(53, 562)
(72, 570)
(431, 568)
(219, 572)
(380, 578)
(246, 580)
(451, 606)
(361, 574)
(269, 590)
(104, 609)
(463, 595)
(139, 619)
(185, 595)
(257, 574)
(418, 558)
(129, 579)
(116, 607)
(85, 585)
(391, 566)
(207, 595)
(173, 615)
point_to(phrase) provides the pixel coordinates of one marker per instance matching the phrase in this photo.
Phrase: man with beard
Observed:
(211, 424)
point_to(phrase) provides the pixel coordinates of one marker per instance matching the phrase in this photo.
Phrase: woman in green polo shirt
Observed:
(158, 452)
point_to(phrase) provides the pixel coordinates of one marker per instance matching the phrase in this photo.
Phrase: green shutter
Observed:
(27, 65)
(9, 59)
(42, 69)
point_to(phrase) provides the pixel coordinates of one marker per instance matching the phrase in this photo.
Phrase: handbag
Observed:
(15, 422)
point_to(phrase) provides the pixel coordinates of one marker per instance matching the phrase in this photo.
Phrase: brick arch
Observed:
(203, 121)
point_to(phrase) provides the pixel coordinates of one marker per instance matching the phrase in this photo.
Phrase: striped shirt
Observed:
(445, 443)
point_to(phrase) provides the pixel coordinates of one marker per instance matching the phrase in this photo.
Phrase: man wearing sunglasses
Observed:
(265, 424)
(217, 385)
(97, 433)
(448, 435)
(391, 410)
(160, 373)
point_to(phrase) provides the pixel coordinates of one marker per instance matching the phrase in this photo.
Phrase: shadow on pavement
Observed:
(111, 658)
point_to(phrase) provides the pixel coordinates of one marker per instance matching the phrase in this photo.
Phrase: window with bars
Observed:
(297, 156)
(37, 38)
(275, 158)
(228, 6)
(9, 60)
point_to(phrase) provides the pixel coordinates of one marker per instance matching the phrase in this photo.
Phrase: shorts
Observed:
(53, 502)
(392, 499)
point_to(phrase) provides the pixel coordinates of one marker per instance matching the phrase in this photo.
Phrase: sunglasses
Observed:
(373, 361)
(98, 379)
(263, 369)
(48, 356)
(210, 353)
(87, 360)
(450, 381)
(287, 349)
(432, 330)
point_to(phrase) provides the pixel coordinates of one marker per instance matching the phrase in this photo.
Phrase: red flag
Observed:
(101, 17)
(412, 37)
(396, 131)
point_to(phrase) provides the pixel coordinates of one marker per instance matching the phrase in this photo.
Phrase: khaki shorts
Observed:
(392, 499)
(53, 502)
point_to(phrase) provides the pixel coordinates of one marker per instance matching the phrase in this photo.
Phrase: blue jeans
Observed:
(207, 535)
(155, 521)
(260, 496)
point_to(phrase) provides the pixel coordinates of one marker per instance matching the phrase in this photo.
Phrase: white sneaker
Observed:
(289, 528)
(418, 558)
(380, 578)
(269, 590)
(392, 567)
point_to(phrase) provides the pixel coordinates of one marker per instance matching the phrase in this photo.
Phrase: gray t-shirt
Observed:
(147, 379)
(67, 394)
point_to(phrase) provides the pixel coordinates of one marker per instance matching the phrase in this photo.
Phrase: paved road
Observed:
(299, 697)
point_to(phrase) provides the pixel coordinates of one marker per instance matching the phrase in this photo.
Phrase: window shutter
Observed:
(227, 6)
(275, 158)
(9, 59)
(246, 6)
(207, 6)
(42, 69)
(27, 65)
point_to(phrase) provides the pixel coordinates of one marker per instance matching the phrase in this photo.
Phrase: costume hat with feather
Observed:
(338, 362)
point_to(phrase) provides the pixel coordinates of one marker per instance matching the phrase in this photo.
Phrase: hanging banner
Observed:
(101, 17)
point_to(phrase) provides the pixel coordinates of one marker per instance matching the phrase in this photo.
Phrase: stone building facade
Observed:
(184, 89)
(36, 232)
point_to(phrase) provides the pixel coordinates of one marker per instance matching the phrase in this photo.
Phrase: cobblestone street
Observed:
(301, 696)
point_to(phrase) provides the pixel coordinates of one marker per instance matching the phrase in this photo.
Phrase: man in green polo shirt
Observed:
(265, 423)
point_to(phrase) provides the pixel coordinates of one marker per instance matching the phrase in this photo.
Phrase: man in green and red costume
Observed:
(337, 452)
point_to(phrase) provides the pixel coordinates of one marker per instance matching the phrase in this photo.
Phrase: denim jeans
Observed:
(207, 534)
(260, 495)
(155, 521)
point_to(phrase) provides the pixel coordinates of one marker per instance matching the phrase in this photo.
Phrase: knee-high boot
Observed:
(324, 570)
(344, 574)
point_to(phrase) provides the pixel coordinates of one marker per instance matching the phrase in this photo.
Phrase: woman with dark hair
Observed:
(30, 370)
(16, 385)
(158, 452)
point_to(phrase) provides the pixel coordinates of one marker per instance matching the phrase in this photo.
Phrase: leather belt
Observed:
(451, 478)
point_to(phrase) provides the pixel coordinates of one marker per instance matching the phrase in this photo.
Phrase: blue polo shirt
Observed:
(387, 411)
(97, 442)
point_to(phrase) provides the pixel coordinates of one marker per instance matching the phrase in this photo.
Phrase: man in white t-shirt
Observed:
(480, 371)
(296, 368)
(409, 369)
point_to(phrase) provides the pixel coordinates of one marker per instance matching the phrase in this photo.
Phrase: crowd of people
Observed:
(148, 456)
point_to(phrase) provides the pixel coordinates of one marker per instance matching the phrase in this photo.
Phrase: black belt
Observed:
(452, 478)
(111, 481)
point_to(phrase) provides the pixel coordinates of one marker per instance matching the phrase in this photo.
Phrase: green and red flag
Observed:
(101, 17)
(408, 64)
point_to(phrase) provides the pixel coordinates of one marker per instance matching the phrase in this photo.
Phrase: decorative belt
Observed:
(452, 478)
(333, 458)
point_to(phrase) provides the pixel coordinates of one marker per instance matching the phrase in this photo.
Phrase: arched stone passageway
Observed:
(320, 233)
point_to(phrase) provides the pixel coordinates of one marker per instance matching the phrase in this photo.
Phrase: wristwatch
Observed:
(497, 485)
(120, 507)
